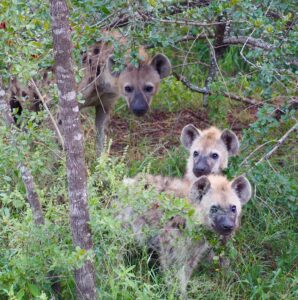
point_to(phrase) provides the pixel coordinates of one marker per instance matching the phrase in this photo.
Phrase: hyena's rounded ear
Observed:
(231, 141)
(242, 188)
(199, 189)
(188, 134)
(162, 65)
(110, 66)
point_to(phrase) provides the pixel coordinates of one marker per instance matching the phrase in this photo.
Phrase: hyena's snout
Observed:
(139, 105)
(224, 225)
(201, 167)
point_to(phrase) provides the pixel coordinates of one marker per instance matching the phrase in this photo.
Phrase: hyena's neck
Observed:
(190, 177)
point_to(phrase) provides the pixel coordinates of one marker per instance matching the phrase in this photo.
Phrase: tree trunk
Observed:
(73, 142)
(25, 172)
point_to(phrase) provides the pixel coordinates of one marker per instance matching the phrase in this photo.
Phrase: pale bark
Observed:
(73, 143)
(279, 143)
(26, 175)
(197, 89)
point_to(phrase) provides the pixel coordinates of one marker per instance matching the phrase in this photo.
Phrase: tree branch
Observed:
(232, 40)
(49, 112)
(197, 89)
(211, 74)
(187, 22)
(252, 42)
(124, 18)
(180, 7)
(279, 143)
(26, 175)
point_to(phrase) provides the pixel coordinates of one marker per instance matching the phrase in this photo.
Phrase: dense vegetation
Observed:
(264, 263)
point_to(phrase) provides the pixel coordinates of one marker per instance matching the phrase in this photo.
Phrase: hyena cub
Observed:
(209, 152)
(217, 204)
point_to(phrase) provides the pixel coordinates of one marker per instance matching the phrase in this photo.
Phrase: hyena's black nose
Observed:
(140, 111)
(227, 227)
(201, 170)
(139, 106)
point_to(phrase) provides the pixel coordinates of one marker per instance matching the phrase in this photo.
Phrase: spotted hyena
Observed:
(209, 152)
(217, 205)
(101, 86)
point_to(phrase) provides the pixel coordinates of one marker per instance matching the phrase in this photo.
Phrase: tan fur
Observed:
(221, 193)
(26, 96)
(209, 141)
(101, 87)
(176, 250)
(170, 185)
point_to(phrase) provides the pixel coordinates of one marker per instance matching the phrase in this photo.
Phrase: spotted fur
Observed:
(202, 146)
(217, 204)
(101, 86)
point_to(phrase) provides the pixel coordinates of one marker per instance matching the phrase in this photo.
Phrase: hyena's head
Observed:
(139, 84)
(209, 150)
(218, 202)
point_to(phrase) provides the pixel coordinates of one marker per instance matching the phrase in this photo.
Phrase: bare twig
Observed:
(196, 62)
(279, 143)
(243, 47)
(27, 177)
(249, 41)
(200, 36)
(104, 19)
(48, 111)
(197, 89)
(248, 38)
(192, 23)
(232, 40)
(215, 53)
(254, 151)
(211, 74)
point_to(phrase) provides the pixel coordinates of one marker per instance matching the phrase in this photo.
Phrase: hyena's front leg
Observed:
(101, 119)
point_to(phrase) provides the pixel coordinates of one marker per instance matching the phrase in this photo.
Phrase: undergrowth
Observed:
(34, 259)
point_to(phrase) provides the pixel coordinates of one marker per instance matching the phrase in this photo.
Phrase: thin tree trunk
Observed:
(73, 142)
(25, 172)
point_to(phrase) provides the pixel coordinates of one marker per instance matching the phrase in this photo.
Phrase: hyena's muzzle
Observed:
(201, 167)
(224, 223)
(139, 104)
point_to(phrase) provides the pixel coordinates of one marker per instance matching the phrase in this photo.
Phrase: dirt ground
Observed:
(164, 128)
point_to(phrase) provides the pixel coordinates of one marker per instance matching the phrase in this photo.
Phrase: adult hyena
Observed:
(101, 86)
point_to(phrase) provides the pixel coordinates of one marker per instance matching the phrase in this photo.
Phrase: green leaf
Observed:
(20, 295)
(105, 10)
(34, 290)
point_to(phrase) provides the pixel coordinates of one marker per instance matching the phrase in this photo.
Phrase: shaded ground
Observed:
(164, 128)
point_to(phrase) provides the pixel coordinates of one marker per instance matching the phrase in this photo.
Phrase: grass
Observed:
(265, 266)
(266, 260)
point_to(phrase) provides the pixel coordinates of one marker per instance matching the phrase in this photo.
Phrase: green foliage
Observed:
(263, 256)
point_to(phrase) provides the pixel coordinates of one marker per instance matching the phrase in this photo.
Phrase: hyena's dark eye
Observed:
(148, 88)
(195, 153)
(213, 209)
(233, 208)
(214, 155)
(128, 89)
